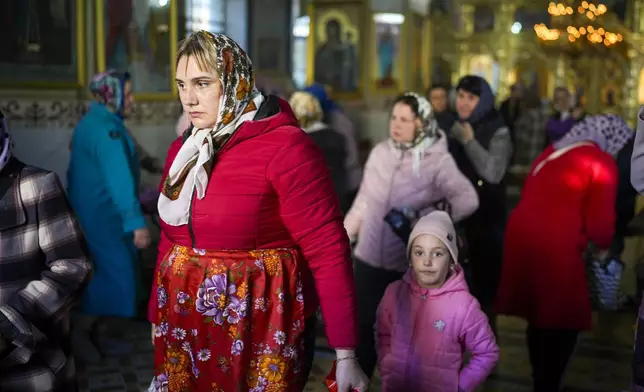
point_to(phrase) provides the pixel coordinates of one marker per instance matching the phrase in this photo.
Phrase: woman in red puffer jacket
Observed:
(252, 236)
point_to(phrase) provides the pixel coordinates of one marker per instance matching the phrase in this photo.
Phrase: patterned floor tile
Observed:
(601, 362)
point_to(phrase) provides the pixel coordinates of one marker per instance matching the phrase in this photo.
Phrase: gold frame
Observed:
(81, 61)
(401, 60)
(100, 50)
(427, 51)
(311, 42)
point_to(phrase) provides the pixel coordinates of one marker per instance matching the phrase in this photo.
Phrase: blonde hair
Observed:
(307, 108)
(201, 47)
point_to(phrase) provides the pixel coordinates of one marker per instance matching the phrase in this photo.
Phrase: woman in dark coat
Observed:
(481, 145)
(309, 115)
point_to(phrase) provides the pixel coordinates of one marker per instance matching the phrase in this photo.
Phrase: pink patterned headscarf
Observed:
(608, 131)
(108, 88)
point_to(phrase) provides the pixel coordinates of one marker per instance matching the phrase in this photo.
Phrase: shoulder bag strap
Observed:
(556, 154)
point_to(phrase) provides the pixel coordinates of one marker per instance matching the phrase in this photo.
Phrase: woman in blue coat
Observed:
(103, 181)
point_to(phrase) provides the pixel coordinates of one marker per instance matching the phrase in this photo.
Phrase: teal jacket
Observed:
(104, 174)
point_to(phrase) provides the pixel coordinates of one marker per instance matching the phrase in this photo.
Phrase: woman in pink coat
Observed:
(428, 320)
(412, 171)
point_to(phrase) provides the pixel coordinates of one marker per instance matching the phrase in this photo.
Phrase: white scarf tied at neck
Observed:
(200, 145)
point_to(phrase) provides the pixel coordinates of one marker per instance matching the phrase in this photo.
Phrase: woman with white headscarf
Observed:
(406, 177)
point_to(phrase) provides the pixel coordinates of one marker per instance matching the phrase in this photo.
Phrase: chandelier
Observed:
(577, 23)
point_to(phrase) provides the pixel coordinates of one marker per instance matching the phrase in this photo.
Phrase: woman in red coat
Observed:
(251, 234)
(568, 200)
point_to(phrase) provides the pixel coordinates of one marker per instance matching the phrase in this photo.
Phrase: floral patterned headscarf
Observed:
(108, 88)
(425, 136)
(239, 102)
(429, 127)
(307, 109)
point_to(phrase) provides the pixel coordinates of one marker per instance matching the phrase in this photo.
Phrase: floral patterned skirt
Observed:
(229, 321)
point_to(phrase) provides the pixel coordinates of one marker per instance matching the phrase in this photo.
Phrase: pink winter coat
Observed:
(389, 182)
(422, 335)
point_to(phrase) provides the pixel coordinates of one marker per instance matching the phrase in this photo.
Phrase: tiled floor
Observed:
(601, 362)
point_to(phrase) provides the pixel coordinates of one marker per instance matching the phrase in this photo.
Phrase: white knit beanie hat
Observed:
(438, 224)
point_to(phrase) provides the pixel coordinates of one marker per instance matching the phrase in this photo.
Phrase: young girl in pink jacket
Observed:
(427, 321)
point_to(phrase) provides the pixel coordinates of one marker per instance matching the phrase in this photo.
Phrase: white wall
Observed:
(49, 147)
(41, 130)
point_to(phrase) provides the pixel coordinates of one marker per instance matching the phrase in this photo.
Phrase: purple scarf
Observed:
(557, 128)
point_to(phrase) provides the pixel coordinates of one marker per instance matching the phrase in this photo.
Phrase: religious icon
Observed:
(388, 35)
(610, 95)
(39, 38)
(137, 40)
(336, 54)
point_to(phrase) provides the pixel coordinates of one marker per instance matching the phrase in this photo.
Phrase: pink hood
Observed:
(455, 283)
(389, 182)
(422, 335)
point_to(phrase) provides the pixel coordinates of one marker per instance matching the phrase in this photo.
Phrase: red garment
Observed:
(229, 321)
(270, 189)
(567, 204)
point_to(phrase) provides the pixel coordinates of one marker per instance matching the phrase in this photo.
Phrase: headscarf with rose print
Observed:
(108, 88)
(239, 102)
(424, 136)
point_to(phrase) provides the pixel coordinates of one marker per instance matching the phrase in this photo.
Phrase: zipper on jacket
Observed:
(419, 316)
(191, 230)
(384, 228)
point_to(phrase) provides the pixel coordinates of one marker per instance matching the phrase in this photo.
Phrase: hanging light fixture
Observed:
(577, 22)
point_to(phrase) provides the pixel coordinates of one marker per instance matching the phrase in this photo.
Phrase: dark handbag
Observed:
(400, 224)
(461, 238)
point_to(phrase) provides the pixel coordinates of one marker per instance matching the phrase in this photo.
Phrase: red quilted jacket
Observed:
(270, 188)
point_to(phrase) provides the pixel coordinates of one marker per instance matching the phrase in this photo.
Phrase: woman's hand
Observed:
(142, 238)
(603, 256)
(463, 132)
(152, 333)
(348, 374)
